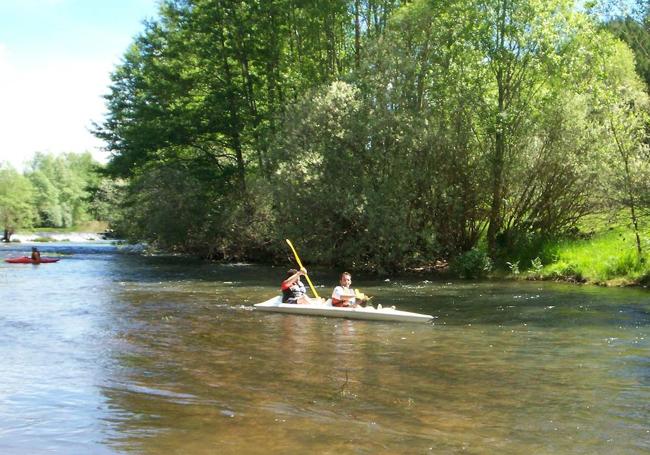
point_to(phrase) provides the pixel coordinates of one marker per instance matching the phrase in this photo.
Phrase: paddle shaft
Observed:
(295, 253)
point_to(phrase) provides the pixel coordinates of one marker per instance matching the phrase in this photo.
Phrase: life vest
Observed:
(293, 292)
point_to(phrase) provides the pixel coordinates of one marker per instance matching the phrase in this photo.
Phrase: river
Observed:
(106, 352)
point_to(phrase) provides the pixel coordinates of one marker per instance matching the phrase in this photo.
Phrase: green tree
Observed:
(409, 130)
(464, 116)
(623, 107)
(491, 80)
(201, 91)
(629, 21)
(105, 199)
(62, 185)
(16, 206)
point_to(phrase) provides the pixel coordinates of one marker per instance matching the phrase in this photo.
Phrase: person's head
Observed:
(291, 272)
(34, 249)
(346, 279)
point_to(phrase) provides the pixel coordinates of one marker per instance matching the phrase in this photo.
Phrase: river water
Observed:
(106, 352)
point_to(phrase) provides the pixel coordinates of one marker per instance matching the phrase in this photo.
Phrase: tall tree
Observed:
(623, 107)
(491, 79)
(204, 85)
(464, 116)
(523, 44)
(628, 20)
(16, 205)
(62, 185)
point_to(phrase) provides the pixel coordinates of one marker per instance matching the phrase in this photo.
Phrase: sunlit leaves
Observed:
(16, 207)
(456, 119)
(62, 187)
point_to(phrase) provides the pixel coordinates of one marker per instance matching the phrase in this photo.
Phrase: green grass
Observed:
(608, 256)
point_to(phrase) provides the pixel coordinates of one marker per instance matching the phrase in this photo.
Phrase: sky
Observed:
(56, 57)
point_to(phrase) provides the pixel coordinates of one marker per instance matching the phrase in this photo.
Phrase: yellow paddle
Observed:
(300, 265)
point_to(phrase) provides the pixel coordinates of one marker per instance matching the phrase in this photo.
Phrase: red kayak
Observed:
(28, 260)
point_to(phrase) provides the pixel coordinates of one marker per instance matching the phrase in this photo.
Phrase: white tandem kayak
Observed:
(368, 313)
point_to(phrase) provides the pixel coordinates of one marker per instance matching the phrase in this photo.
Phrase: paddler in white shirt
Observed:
(342, 294)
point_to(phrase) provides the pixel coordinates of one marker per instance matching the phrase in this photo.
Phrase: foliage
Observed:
(514, 267)
(54, 192)
(471, 264)
(16, 194)
(205, 81)
(169, 207)
(200, 93)
(383, 134)
(623, 108)
(628, 20)
(536, 267)
(566, 271)
(105, 198)
(328, 166)
(61, 186)
(435, 178)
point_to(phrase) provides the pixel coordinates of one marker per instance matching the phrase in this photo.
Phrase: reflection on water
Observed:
(112, 353)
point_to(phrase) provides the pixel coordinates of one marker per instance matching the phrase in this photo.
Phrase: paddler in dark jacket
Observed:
(36, 255)
(293, 290)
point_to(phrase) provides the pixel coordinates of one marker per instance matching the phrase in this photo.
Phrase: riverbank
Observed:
(605, 255)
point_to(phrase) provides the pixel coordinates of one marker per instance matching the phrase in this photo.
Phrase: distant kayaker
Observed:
(293, 290)
(36, 255)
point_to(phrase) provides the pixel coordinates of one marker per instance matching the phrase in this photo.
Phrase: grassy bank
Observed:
(605, 255)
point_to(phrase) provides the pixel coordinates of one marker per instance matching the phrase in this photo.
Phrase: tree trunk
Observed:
(357, 34)
(330, 33)
(628, 187)
(633, 215)
(497, 174)
(235, 123)
(499, 138)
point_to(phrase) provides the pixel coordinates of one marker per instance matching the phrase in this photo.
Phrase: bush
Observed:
(645, 279)
(566, 271)
(521, 247)
(536, 265)
(514, 267)
(625, 264)
(471, 264)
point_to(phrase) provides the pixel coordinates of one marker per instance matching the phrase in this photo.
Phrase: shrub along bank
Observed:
(605, 255)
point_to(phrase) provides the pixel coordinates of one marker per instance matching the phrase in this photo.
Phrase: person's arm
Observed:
(286, 284)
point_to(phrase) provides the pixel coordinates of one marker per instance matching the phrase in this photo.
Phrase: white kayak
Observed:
(317, 309)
